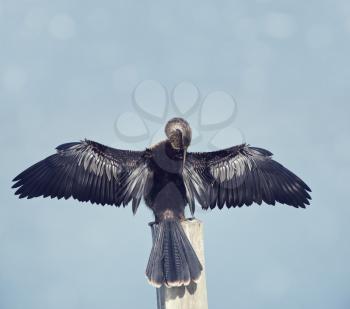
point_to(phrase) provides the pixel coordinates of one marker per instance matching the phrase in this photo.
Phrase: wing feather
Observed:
(242, 175)
(87, 171)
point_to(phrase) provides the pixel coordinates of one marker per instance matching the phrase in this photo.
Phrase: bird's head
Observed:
(179, 134)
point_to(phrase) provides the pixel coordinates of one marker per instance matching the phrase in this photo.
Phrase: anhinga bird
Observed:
(167, 179)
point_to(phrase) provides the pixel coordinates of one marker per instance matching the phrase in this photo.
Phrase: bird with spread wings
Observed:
(168, 178)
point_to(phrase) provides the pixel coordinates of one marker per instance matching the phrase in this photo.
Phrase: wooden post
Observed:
(193, 296)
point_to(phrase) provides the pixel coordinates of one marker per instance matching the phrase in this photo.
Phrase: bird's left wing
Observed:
(241, 175)
(88, 171)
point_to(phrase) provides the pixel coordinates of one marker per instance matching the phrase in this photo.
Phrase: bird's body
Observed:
(168, 179)
(167, 195)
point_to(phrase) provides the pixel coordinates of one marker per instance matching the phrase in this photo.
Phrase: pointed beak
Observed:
(184, 157)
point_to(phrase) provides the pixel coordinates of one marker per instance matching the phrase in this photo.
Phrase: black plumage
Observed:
(167, 178)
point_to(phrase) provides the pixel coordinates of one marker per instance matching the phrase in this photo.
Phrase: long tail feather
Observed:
(173, 261)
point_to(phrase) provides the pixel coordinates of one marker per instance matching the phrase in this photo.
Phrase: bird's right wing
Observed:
(241, 175)
(88, 171)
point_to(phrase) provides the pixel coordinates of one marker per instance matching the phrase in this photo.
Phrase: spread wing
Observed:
(241, 175)
(88, 171)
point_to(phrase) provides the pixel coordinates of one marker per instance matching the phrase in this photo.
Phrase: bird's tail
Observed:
(173, 261)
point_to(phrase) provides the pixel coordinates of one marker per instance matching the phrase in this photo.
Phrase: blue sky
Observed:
(68, 70)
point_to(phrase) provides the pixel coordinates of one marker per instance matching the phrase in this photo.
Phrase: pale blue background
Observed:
(67, 70)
